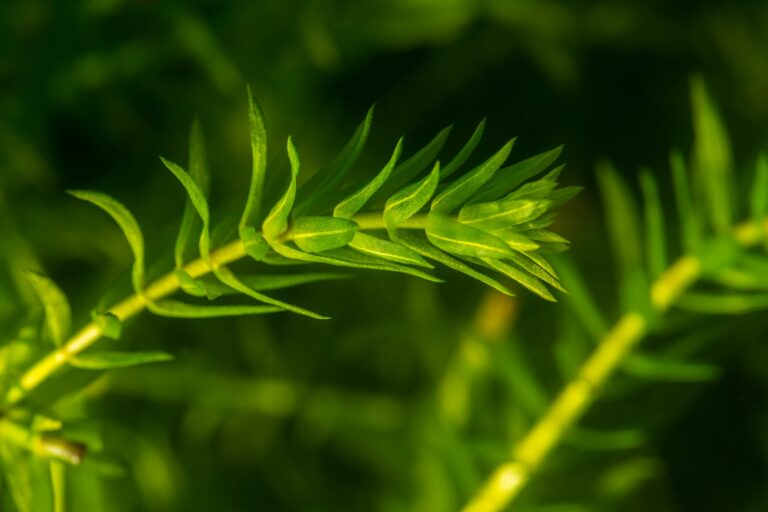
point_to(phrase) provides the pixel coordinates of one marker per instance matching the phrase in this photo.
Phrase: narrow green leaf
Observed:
(346, 257)
(511, 177)
(228, 278)
(502, 214)
(418, 243)
(198, 171)
(690, 226)
(387, 250)
(199, 202)
(604, 440)
(352, 204)
(759, 199)
(542, 262)
(580, 299)
(128, 225)
(525, 262)
(457, 238)
(462, 189)
(58, 485)
(664, 369)
(521, 277)
(266, 282)
(317, 234)
(464, 153)
(516, 240)
(621, 217)
(109, 360)
(545, 236)
(259, 164)
(712, 157)
(277, 221)
(539, 189)
(655, 239)
(406, 203)
(723, 303)
(407, 171)
(321, 190)
(58, 315)
(174, 309)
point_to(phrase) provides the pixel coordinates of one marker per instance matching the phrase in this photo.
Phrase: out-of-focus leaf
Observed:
(759, 198)
(111, 326)
(655, 238)
(723, 303)
(665, 369)
(604, 440)
(108, 360)
(58, 315)
(175, 309)
(690, 225)
(580, 298)
(712, 157)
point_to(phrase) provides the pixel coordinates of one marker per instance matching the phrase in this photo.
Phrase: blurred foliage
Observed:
(413, 391)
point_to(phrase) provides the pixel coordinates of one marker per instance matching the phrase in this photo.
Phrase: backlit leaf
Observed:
(502, 214)
(521, 277)
(316, 234)
(109, 360)
(655, 238)
(58, 316)
(464, 153)
(387, 250)
(462, 189)
(259, 164)
(408, 201)
(457, 238)
(512, 176)
(277, 221)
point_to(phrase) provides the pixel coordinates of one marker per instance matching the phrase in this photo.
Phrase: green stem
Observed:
(41, 444)
(161, 288)
(506, 482)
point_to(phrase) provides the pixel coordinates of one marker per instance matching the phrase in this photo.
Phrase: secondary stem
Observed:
(135, 304)
(506, 482)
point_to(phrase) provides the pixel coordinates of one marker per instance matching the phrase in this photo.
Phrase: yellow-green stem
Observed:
(506, 482)
(41, 445)
(135, 304)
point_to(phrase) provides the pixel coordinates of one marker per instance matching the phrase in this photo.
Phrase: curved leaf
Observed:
(58, 315)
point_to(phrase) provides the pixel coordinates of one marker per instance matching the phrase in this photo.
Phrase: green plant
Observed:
(486, 222)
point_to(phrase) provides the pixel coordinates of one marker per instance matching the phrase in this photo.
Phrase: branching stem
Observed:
(506, 482)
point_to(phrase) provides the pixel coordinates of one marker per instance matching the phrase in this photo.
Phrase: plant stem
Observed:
(41, 444)
(506, 482)
(162, 287)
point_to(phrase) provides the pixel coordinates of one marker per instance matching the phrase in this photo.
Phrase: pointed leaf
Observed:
(502, 214)
(128, 225)
(320, 191)
(457, 238)
(317, 234)
(511, 177)
(174, 309)
(516, 240)
(407, 171)
(464, 153)
(259, 165)
(277, 221)
(655, 239)
(712, 157)
(529, 265)
(419, 244)
(109, 360)
(581, 299)
(385, 249)
(561, 196)
(521, 277)
(352, 204)
(690, 225)
(544, 236)
(199, 203)
(111, 327)
(58, 315)
(198, 171)
(406, 203)
(665, 369)
(266, 282)
(723, 303)
(462, 189)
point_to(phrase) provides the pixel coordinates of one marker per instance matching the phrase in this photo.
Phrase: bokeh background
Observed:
(412, 393)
